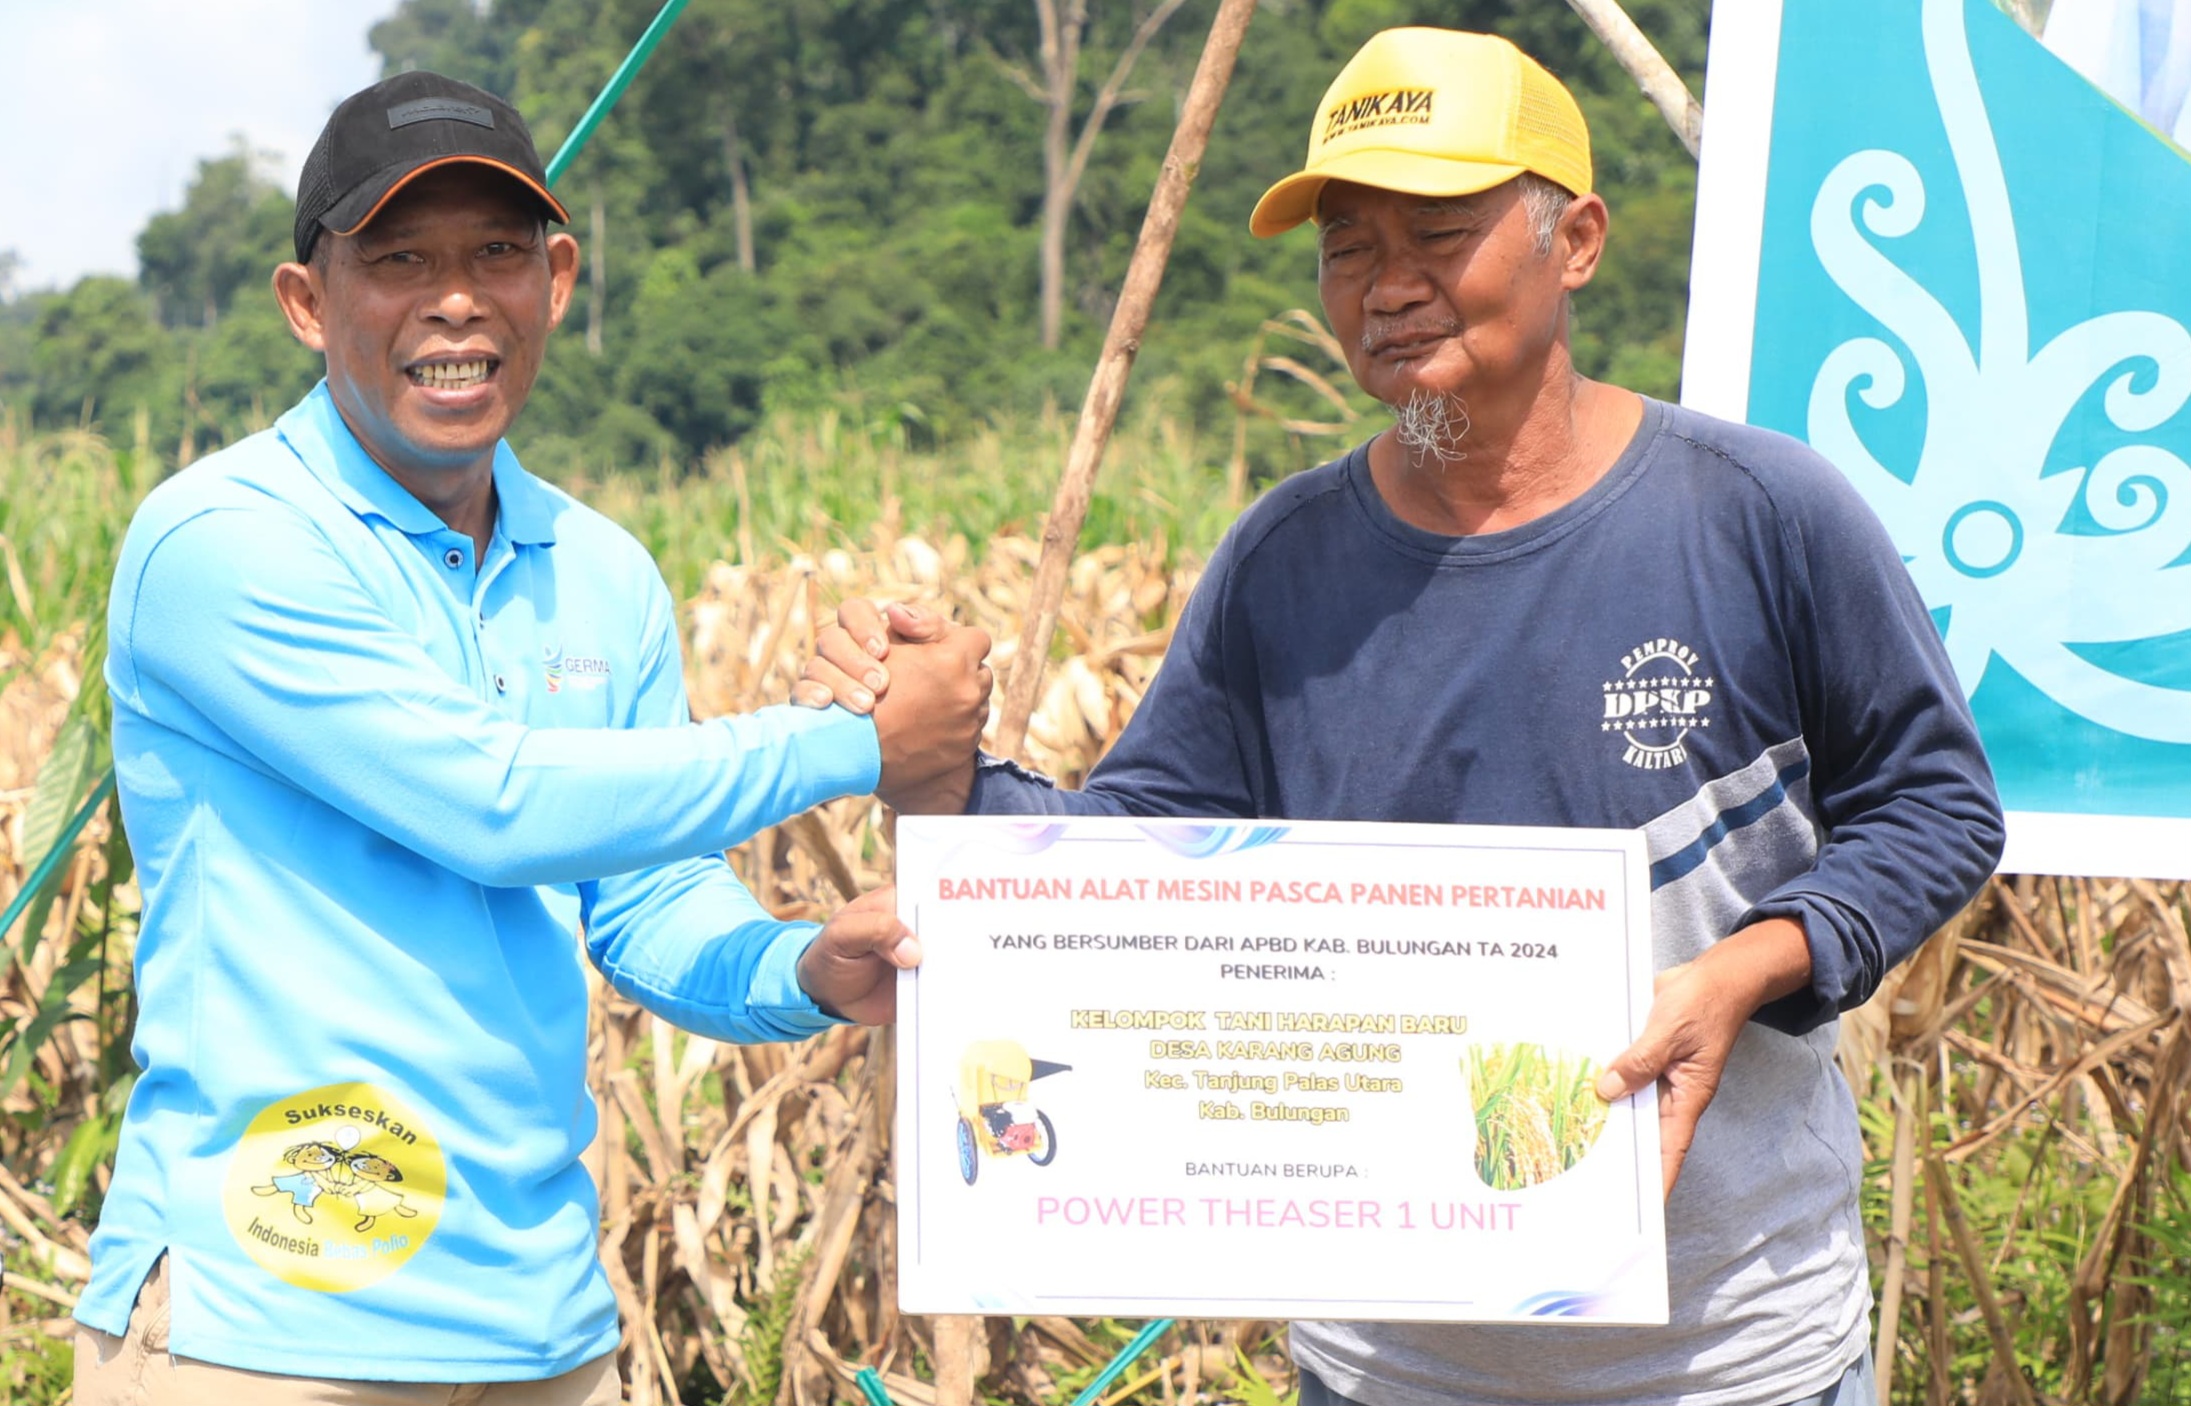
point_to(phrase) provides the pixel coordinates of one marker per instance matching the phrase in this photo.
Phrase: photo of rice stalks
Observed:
(1536, 1115)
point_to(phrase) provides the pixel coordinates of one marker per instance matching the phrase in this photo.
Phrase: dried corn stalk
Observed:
(749, 1224)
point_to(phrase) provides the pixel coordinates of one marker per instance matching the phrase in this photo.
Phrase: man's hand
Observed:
(848, 668)
(851, 968)
(1697, 1012)
(929, 705)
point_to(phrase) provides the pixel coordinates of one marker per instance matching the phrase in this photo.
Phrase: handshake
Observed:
(929, 703)
(926, 682)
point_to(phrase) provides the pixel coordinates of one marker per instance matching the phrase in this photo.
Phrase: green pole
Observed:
(1154, 1329)
(625, 72)
(54, 856)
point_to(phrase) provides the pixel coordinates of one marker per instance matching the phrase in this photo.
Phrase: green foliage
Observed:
(233, 229)
(65, 500)
(763, 1339)
(808, 481)
(887, 252)
(53, 825)
(55, 801)
(242, 373)
(97, 350)
(2034, 1203)
(35, 1369)
(698, 359)
(88, 1148)
(2167, 1276)
(1255, 1389)
(446, 36)
(199, 347)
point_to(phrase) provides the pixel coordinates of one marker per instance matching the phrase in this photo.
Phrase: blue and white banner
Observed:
(1931, 249)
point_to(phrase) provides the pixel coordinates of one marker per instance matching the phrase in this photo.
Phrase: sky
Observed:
(107, 106)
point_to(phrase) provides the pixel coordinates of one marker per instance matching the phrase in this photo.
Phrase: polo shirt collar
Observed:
(526, 507)
(315, 429)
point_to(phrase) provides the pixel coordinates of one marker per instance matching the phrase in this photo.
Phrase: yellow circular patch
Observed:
(335, 1188)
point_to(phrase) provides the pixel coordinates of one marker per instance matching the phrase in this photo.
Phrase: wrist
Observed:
(1761, 963)
(808, 975)
(946, 794)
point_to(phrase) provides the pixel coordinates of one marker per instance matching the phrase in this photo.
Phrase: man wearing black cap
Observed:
(393, 720)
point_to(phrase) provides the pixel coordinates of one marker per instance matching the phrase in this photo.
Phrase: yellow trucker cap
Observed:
(1434, 112)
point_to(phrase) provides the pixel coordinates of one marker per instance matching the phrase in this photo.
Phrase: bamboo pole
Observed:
(1909, 1096)
(1648, 67)
(1981, 1283)
(1099, 411)
(1937, 1353)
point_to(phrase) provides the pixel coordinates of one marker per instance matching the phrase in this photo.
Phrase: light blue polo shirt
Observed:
(375, 788)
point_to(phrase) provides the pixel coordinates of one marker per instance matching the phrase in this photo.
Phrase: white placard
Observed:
(1231, 1070)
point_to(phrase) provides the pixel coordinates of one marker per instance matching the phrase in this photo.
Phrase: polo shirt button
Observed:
(500, 685)
(452, 558)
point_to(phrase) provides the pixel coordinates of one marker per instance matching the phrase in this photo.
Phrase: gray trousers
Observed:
(1855, 1389)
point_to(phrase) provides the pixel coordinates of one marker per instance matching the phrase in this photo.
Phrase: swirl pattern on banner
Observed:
(1990, 532)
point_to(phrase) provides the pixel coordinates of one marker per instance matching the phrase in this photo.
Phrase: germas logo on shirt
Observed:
(579, 672)
(1662, 693)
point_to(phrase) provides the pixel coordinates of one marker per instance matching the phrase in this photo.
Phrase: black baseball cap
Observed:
(380, 139)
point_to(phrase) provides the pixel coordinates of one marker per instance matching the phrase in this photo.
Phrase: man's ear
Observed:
(303, 298)
(562, 276)
(1579, 240)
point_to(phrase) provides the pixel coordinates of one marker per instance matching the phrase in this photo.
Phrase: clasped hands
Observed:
(930, 701)
(929, 704)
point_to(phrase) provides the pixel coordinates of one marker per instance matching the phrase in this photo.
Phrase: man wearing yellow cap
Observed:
(1540, 599)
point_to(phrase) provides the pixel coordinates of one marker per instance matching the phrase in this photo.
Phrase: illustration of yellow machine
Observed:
(995, 1118)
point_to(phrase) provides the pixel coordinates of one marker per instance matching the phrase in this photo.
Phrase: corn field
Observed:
(2021, 1080)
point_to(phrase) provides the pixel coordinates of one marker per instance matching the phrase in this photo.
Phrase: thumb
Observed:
(869, 926)
(1640, 1065)
(1633, 1069)
(914, 625)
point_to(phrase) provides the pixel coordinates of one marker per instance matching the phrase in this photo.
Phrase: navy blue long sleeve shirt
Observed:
(1720, 603)
(1715, 643)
